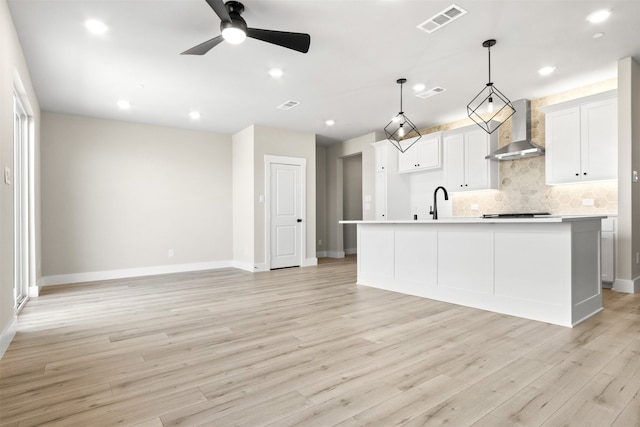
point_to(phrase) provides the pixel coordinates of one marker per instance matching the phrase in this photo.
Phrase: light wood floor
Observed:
(306, 346)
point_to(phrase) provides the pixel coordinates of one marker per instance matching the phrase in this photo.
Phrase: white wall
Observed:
(119, 195)
(628, 244)
(12, 67)
(243, 191)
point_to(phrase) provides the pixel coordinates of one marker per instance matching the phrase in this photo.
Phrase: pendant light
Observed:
(400, 126)
(490, 102)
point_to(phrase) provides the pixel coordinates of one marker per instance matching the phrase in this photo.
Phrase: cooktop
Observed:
(516, 215)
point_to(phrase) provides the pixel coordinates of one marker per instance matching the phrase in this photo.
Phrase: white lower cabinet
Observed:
(608, 254)
(465, 166)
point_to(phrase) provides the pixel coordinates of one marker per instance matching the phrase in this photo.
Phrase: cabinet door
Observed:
(454, 161)
(562, 136)
(425, 154)
(429, 151)
(476, 166)
(380, 155)
(408, 161)
(381, 195)
(599, 145)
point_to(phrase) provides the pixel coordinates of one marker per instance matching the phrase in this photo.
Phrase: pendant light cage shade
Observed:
(490, 102)
(400, 128)
(397, 131)
(487, 105)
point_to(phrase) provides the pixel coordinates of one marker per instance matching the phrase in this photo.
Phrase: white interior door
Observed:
(286, 215)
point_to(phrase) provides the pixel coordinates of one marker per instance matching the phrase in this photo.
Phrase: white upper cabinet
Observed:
(581, 139)
(425, 154)
(465, 166)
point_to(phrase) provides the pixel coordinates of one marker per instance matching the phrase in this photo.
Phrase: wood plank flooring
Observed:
(308, 347)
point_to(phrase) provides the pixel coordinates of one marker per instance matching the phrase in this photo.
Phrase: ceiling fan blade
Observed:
(295, 41)
(203, 48)
(220, 9)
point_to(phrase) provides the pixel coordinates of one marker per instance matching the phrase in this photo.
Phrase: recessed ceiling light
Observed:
(599, 16)
(419, 87)
(545, 71)
(329, 122)
(123, 104)
(195, 115)
(276, 73)
(598, 35)
(95, 27)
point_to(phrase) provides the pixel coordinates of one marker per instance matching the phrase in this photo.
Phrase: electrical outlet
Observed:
(319, 242)
(170, 252)
(7, 175)
(474, 207)
(637, 257)
(587, 202)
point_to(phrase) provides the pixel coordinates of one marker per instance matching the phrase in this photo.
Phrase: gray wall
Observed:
(118, 195)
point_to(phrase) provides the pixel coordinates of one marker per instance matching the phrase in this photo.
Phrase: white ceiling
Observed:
(359, 48)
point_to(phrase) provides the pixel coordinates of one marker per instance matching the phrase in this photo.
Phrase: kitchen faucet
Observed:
(434, 210)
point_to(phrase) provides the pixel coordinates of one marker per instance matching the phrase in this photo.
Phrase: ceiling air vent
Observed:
(429, 93)
(441, 19)
(288, 105)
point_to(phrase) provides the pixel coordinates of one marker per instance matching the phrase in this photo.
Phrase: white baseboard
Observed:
(260, 267)
(7, 335)
(335, 254)
(308, 262)
(132, 272)
(34, 291)
(321, 254)
(627, 286)
(350, 251)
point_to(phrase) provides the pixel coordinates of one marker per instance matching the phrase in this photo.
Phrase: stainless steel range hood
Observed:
(521, 146)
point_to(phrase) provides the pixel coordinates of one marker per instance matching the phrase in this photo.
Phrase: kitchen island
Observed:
(544, 268)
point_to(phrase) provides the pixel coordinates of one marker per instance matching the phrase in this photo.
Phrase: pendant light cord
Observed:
(489, 49)
(401, 97)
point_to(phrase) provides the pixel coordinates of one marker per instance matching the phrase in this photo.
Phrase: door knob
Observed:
(298, 220)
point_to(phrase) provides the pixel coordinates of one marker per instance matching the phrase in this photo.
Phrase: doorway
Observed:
(351, 200)
(23, 230)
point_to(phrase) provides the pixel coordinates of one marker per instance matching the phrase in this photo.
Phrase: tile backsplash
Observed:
(522, 182)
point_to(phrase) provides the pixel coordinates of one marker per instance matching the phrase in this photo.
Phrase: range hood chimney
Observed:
(521, 146)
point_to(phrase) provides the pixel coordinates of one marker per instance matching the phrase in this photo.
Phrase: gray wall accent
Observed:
(118, 195)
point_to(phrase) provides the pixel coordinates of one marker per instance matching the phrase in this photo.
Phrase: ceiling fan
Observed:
(234, 30)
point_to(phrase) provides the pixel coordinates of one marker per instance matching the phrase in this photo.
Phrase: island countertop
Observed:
(480, 220)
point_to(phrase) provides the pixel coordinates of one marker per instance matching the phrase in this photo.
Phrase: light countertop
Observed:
(480, 220)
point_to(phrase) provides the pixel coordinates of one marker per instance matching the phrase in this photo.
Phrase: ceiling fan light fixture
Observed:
(234, 35)
(489, 103)
(400, 126)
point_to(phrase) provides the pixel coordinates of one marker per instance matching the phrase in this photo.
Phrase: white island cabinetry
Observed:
(545, 269)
